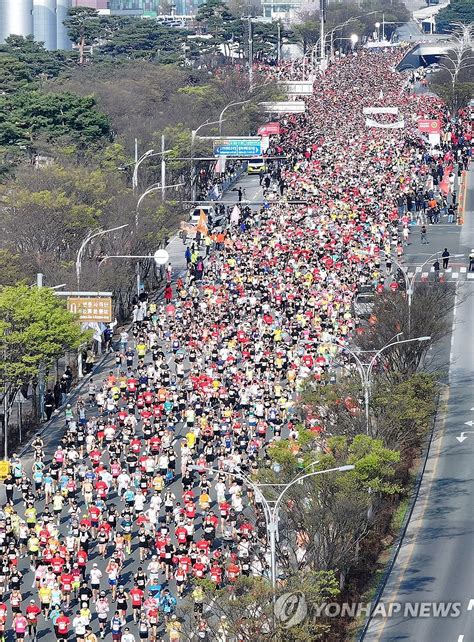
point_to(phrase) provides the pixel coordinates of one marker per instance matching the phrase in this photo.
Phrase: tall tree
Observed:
(27, 115)
(456, 11)
(84, 27)
(35, 328)
(40, 62)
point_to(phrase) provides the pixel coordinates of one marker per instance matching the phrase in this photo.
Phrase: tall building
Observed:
(92, 4)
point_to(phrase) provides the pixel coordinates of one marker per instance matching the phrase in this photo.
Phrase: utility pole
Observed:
(5, 406)
(163, 168)
(41, 385)
(135, 178)
(278, 42)
(135, 186)
(322, 37)
(249, 18)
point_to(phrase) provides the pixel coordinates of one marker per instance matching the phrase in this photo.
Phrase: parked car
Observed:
(214, 217)
(195, 213)
(363, 302)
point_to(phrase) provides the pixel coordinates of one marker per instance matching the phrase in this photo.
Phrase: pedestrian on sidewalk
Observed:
(445, 256)
(471, 261)
(424, 240)
(48, 405)
(57, 394)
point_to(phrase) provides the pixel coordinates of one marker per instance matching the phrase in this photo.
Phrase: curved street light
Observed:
(409, 281)
(137, 164)
(365, 369)
(271, 507)
(91, 235)
(153, 188)
(234, 104)
(193, 138)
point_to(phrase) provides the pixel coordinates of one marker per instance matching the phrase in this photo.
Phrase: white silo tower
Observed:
(44, 22)
(62, 8)
(16, 17)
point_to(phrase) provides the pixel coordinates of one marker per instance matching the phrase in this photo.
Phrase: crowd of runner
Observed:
(107, 535)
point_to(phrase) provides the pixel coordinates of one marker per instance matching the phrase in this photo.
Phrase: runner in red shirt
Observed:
(57, 564)
(181, 535)
(66, 581)
(216, 574)
(233, 572)
(32, 612)
(136, 595)
(61, 627)
(82, 561)
(132, 384)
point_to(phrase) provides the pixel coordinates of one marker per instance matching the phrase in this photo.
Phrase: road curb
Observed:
(462, 198)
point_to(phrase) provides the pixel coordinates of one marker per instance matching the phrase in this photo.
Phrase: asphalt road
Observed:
(53, 430)
(436, 560)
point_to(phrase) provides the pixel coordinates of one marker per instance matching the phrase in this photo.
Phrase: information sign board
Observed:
(247, 148)
(91, 309)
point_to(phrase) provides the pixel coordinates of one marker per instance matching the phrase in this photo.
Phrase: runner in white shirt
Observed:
(95, 577)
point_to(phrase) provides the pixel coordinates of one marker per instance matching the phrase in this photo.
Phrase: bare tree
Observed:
(458, 62)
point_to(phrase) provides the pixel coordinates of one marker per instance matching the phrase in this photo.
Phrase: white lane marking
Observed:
(418, 269)
(463, 270)
(449, 269)
(455, 275)
(432, 269)
(461, 638)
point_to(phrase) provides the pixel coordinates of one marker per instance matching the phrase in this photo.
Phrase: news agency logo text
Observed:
(389, 609)
(292, 609)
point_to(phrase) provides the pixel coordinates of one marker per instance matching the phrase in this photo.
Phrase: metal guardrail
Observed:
(228, 183)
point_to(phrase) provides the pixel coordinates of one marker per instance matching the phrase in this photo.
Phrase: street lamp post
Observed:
(250, 43)
(138, 162)
(365, 369)
(353, 38)
(271, 507)
(234, 104)
(91, 235)
(153, 188)
(410, 281)
(321, 41)
(193, 139)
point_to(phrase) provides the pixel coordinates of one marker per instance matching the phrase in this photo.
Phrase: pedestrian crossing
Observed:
(456, 274)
